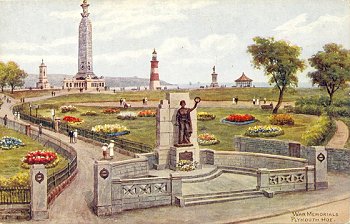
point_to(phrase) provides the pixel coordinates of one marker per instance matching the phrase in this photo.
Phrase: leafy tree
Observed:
(15, 75)
(3, 76)
(280, 61)
(332, 68)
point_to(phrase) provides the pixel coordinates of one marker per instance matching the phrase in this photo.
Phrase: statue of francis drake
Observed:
(183, 120)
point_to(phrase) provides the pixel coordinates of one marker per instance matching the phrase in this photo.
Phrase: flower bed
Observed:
(110, 129)
(111, 111)
(264, 131)
(89, 113)
(281, 119)
(8, 143)
(72, 119)
(48, 158)
(207, 139)
(70, 108)
(127, 116)
(147, 113)
(205, 116)
(186, 165)
(239, 119)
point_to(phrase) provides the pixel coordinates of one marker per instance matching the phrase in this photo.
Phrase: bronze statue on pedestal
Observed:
(183, 120)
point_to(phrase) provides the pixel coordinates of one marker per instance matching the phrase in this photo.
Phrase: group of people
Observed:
(144, 101)
(53, 93)
(257, 101)
(73, 136)
(110, 148)
(123, 103)
(235, 100)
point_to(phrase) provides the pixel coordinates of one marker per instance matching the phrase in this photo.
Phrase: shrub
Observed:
(281, 119)
(89, 113)
(317, 134)
(19, 180)
(309, 109)
(338, 111)
(264, 131)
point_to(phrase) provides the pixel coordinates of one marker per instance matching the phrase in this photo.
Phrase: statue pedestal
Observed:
(176, 154)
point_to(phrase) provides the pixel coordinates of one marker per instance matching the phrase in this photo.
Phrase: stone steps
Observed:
(205, 177)
(218, 197)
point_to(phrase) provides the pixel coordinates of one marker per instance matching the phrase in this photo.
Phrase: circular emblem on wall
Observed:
(321, 157)
(104, 173)
(39, 177)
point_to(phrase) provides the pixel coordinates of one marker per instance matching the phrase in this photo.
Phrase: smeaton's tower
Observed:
(43, 83)
(85, 78)
(154, 82)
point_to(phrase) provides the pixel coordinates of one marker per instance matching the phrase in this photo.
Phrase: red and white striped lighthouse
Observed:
(154, 82)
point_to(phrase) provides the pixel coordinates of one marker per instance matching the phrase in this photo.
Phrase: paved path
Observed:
(340, 137)
(74, 204)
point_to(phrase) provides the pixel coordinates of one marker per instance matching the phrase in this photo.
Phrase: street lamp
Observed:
(36, 110)
(30, 109)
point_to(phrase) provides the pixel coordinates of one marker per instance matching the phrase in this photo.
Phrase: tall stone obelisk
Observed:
(85, 65)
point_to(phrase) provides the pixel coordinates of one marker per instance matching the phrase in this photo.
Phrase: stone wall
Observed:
(256, 160)
(136, 167)
(15, 212)
(338, 160)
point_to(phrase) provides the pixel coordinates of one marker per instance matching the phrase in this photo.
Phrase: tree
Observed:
(3, 76)
(332, 68)
(280, 61)
(15, 75)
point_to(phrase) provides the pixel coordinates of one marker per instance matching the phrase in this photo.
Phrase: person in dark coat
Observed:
(71, 135)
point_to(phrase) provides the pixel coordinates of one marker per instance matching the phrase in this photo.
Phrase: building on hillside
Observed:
(43, 82)
(214, 79)
(243, 81)
(154, 82)
(85, 78)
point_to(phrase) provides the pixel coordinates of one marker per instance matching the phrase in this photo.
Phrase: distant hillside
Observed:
(57, 80)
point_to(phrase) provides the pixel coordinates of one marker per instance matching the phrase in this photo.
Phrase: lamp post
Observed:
(36, 110)
(53, 117)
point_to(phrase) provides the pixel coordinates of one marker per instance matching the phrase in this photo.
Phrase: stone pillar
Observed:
(38, 178)
(321, 181)
(176, 188)
(28, 129)
(56, 124)
(164, 129)
(310, 178)
(262, 179)
(102, 188)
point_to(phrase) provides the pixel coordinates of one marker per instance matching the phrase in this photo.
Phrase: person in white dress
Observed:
(104, 150)
(75, 135)
(111, 149)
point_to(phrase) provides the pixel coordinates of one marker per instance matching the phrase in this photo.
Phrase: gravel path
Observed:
(340, 137)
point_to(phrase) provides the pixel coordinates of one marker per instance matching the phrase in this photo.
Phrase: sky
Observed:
(189, 36)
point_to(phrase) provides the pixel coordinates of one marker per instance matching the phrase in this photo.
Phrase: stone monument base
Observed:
(176, 154)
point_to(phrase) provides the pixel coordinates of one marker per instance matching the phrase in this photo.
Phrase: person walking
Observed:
(75, 136)
(70, 134)
(111, 149)
(146, 100)
(264, 100)
(236, 99)
(40, 129)
(254, 101)
(104, 150)
(5, 120)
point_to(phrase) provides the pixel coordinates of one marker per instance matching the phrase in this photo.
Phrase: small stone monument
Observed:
(177, 130)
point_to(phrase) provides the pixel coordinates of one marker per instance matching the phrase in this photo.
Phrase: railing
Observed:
(14, 195)
(65, 127)
(60, 147)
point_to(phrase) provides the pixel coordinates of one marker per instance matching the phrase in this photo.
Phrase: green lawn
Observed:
(10, 160)
(144, 129)
(219, 94)
(29, 93)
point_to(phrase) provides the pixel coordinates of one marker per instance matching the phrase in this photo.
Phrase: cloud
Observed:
(47, 46)
(176, 44)
(325, 29)
(72, 14)
(115, 57)
(141, 33)
(222, 43)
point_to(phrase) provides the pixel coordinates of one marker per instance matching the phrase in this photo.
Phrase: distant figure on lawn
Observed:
(236, 99)
(111, 149)
(5, 120)
(40, 129)
(183, 120)
(104, 150)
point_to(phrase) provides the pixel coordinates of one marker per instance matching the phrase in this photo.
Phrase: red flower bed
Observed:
(239, 117)
(147, 113)
(71, 119)
(40, 157)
